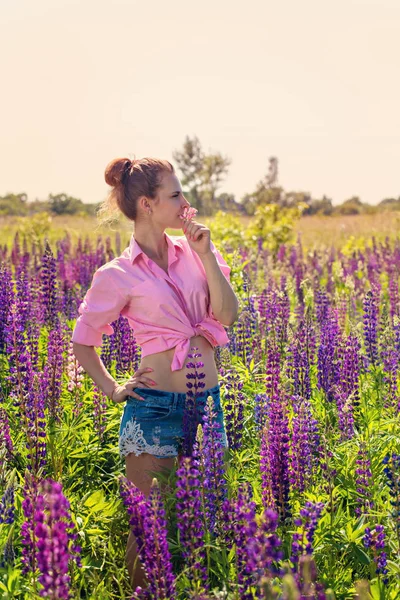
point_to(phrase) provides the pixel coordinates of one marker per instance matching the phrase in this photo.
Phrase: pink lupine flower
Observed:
(189, 213)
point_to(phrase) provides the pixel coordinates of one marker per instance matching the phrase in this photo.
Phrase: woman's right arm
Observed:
(88, 358)
(100, 307)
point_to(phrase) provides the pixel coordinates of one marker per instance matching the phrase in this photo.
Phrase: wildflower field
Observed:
(308, 504)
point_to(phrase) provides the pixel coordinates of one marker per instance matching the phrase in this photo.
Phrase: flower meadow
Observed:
(307, 503)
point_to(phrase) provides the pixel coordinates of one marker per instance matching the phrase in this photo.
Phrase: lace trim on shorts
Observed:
(132, 440)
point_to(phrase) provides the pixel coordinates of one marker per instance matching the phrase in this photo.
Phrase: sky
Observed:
(314, 83)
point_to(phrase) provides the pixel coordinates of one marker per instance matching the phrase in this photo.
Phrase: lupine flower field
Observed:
(308, 506)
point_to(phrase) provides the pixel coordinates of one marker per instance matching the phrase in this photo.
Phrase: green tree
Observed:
(202, 173)
(321, 206)
(14, 204)
(62, 204)
(352, 206)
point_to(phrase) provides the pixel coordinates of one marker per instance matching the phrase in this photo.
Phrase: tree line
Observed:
(201, 175)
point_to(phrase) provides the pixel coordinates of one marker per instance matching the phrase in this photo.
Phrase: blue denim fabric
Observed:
(154, 425)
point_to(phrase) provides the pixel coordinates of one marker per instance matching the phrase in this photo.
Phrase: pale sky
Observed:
(315, 83)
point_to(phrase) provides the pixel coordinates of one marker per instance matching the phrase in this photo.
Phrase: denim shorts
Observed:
(155, 424)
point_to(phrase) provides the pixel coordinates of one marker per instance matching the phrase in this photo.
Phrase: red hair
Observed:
(130, 180)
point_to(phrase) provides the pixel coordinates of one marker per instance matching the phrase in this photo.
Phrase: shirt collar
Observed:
(135, 250)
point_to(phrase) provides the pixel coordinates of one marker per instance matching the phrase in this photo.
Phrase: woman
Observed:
(175, 293)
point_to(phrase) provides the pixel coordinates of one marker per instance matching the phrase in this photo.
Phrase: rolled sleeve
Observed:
(101, 306)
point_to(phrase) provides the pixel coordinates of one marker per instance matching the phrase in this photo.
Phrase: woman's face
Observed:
(172, 203)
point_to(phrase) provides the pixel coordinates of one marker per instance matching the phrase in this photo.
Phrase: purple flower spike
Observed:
(190, 520)
(148, 524)
(209, 453)
(301, 445)
(371, 314)
(392, 472)
(7, 506)
(375, 540)
(55, 540)
(308, 521)
(363, 482)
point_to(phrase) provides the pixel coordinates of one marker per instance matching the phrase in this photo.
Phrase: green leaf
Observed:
(361, 556)
(94, 531)
(12, 580)
(95, 500)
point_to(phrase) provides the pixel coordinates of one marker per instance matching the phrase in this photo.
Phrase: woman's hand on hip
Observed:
(120, 392)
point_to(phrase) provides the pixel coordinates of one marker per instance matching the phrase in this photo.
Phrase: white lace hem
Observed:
(132, 440)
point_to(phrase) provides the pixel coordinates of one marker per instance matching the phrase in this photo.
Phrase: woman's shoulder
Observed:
(115, 270)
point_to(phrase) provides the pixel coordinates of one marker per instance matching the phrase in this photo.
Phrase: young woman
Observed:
(175, 293)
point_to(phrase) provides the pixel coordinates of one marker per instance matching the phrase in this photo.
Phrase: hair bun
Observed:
(116, 171)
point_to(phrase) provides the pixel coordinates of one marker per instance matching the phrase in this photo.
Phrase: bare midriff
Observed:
(175, 381)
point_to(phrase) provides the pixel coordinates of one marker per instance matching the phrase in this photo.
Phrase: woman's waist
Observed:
(175, 381)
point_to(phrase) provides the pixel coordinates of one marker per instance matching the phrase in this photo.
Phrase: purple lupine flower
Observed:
(308, 521)
(327, 368)
(8, 557)
(300, 446)
(329, 267)
(190, 521)
(321, 303)
(148, 523)
(190, 413)
(345, 413)
(280, 324)
(370, 318)
(272, 370)
(306, 579)
(242, 528)
(156, 530)
(363, 482)
(123, 345)
(49, 293)
(392, 472)
(234, 409)
(263, 549)
(36, 427)
(299, 359)
(261, 407)
(375, 540)
(393, 292)
(6, 297)
(24, 293)
(7, 506)
(349, 367)
(55, 540)
(390, 357)
(396, 339)
(19, 360)
(237, 341)
(5, 437)
(137, 508)
(209, 454)
(52, 374)
(30, 494)
(267, 493)
(278, 434)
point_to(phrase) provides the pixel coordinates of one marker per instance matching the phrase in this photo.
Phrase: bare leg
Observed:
(138, 471)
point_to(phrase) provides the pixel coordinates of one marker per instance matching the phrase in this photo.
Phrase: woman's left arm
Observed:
(224, 302)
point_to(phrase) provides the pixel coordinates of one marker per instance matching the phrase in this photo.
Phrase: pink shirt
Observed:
(164, 311)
